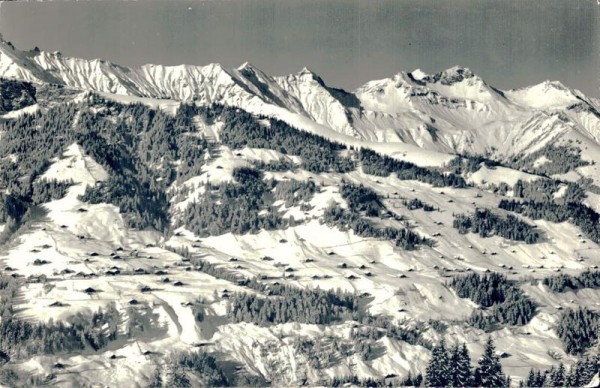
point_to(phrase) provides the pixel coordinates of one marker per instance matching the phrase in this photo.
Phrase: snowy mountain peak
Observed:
(458, 72)
(308, 75)
(545, 95)
(418, 74)
(305, 71)
(247, 67)
(451, 76)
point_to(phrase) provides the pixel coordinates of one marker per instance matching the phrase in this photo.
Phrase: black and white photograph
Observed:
(299, 193)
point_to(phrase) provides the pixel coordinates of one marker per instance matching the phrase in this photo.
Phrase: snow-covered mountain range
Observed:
(454, 111)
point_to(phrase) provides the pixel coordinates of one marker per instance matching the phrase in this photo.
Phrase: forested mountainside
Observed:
(196, 226)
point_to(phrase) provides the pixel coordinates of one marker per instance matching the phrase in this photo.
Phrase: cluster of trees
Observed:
(224, 273)
(539, 203)
(258, 309)
(501, 301)
(501, 188)
(191, 152)
(543, 190)
(15, 95)
(362, 199)
(199, 310)
(564, 282)
(79, 332)
(406, 239)
(327, 351)
(28, 144)
(415, 203)
(140, 319)
(362, 202)
(23, 339)
(579, 374)
(44, 190)
(586, 218)
(242, 129)
(374, 163)
(486, 223)
(15, 208)
(515, 310)
(469, 164)
(236, 207)
(354, 381)
(142, 208)
(294, 192)
(452, 368)
(136, 144)
(485, 290)
(578, 329)
(290, 304)
(561, 159)
(378, 326)
(139, 147)
(320, 352)
(279, 165)
(12, 207)
(188, 369)
(12, 376)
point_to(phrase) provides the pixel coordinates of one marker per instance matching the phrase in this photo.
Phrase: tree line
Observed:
(377, 164)
(290, 304)
(364, 202)
(578, 329)
(79, 332)
(139, 147)
(539, 203)
(583, 216)
(245, 205)
(578, 375)
(561, 159)
(28, 144)
(501, 301)
(242, 129)
(451, 367)
(415, 203)
(564, 282)
(486, 223)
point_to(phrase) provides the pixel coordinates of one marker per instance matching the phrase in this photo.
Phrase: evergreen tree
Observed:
(156, 381)
(557, 378)
(489, 371)
(460, 366)
(438, 373)
(530, 382)
(518, 189)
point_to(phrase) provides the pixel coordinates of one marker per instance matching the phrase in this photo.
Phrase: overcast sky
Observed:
(510, 43)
